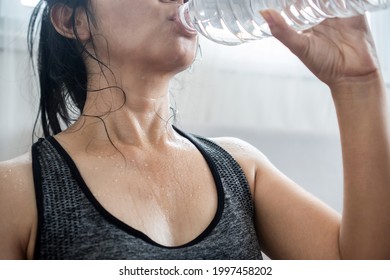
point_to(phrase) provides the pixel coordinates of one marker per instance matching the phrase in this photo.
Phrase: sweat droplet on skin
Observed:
(100, 194)
(5, 175)
(169, 217)
(18, 185)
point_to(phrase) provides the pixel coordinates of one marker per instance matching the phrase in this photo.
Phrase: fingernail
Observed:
(268, 17)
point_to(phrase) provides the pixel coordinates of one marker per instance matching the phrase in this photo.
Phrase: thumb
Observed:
(296, 42)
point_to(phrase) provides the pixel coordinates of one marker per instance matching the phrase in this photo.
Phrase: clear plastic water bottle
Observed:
(232, 22)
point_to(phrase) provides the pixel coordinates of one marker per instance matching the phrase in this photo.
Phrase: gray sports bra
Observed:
(72, 224)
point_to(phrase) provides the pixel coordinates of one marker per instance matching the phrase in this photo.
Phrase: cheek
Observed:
(118, 40)
(122, 19)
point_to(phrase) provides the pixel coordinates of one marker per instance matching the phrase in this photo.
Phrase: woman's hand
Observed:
(336, 50)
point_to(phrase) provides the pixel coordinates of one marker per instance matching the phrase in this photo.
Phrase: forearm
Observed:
(364, 128)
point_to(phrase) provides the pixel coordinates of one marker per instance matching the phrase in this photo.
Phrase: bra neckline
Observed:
(129, 229)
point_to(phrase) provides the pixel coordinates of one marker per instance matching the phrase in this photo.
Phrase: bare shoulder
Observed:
(16, 174)
(251, 160)
(20, 165)
(17, 207)
(242, 151)
(239, 148)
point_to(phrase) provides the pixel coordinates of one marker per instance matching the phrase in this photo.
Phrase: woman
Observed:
(123, 183)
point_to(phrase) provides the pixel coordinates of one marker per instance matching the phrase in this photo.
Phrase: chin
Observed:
(182, 57)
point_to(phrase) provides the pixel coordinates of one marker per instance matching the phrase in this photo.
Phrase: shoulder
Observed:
(238, 148)
(16, 167)
(17, 206)
(241, 150)
(251, 159)
(16, 174)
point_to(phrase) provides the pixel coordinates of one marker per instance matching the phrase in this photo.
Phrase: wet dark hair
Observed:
(61, 68)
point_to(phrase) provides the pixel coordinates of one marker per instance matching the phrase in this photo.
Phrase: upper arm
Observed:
(290, 222)
(17, 209)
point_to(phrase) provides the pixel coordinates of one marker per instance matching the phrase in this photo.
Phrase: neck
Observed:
(132, 112)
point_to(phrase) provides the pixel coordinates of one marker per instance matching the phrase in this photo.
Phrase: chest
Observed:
(170, 199)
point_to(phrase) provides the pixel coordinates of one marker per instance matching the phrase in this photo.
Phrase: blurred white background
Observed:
(258, 92)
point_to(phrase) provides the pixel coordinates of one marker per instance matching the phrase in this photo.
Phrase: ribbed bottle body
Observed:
(233, 22)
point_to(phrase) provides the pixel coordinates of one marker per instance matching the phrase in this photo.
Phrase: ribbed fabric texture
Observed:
(73, 225)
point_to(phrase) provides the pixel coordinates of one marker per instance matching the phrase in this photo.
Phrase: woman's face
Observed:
(142, 33)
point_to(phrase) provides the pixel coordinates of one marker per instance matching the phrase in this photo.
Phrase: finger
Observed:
(296, 42)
